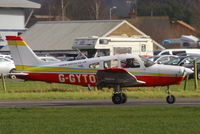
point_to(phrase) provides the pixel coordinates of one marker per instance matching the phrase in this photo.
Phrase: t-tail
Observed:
(22, 54)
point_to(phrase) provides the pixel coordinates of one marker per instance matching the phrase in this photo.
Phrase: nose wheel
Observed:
(170, 98)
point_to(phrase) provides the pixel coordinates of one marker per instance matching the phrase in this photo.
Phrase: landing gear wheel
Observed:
(170, 99)
(11, 76)
(124, 98)
(117, 98)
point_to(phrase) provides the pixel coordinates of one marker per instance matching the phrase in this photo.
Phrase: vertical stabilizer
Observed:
(22, 54)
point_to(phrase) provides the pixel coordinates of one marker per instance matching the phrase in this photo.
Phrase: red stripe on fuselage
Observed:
(90, 79)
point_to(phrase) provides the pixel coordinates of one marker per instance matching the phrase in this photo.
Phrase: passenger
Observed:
(130, 63)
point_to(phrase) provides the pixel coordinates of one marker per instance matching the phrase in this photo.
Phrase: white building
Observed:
(12, 17)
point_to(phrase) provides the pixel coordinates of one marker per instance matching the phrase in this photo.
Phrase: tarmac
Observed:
(96, 103)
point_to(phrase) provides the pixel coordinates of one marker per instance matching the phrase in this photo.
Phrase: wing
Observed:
(112, 76)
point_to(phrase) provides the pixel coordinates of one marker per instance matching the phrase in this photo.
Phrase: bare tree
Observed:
(86, 9)
(195, 9)
(97, 8)
(64, 4)
(73, 9)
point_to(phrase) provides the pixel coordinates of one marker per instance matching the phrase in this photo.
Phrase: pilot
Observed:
(130, 63)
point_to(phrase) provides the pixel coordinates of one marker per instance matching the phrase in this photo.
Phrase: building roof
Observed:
(186, 25)
(155, 26)
(160, 27)
(19, 4)
(57, 35)
(60, 35)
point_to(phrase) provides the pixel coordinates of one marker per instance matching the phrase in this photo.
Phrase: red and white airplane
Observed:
(110, 71)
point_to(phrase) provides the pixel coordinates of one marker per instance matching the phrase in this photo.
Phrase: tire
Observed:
(124, 97)
(117, 98)
(12, 76)
(170, 99)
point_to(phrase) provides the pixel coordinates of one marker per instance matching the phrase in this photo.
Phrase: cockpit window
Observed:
(147, 63)
(130, 63)
(110, 63)
(94, 65)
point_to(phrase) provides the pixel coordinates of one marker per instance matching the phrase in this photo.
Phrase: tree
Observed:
(87, 9)
(195, 4)
(175, 9)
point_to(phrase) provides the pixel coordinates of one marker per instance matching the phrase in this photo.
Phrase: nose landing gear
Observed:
(170, 98)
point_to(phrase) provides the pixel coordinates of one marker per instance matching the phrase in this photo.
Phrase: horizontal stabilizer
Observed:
(18, 74)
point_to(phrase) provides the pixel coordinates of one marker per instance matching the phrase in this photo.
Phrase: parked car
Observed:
(156, 52)
(179, 51)
(6, 56)
(7, 66)
(162, 59)
(181, 60)
(187, 61)
(191, 66)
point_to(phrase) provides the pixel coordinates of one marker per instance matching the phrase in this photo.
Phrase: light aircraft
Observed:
(107, 71)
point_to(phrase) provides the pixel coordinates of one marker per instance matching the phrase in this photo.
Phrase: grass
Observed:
(101, 120)
(96, 120)
(40, 90)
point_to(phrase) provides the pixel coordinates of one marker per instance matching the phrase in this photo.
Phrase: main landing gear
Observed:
(119, 97)
(170, 98)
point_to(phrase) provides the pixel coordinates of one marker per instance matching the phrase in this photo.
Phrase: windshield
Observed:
(198, 60)
(153, 58)
(103, 52)
(147, 62)
(170, 60)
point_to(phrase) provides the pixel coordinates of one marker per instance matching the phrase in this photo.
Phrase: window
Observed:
(198, 60)
(94, 65)
(172, 61)
(122, 50)
(187, 60)
(179, 52)
(143, 48)
(147, 62)
(130, 63)
(163, 60)
(186, 44)
(110, 63)
(103, 52)
(103, 41)
(165, 53)
(3, 60)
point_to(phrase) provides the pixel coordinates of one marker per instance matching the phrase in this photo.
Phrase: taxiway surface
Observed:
(96, 103)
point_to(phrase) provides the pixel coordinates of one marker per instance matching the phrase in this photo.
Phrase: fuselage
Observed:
(83, 72)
